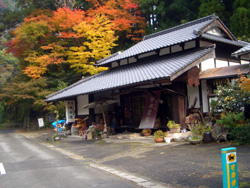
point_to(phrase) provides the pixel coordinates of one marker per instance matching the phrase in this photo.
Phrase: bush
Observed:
(230, 120)
(241, 134)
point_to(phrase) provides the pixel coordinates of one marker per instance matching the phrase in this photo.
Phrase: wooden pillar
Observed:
(179, 110)
(91, 111)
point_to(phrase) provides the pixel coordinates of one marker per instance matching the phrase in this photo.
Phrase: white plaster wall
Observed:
(207, 64)
(205, 103)
(220, 63)
(81, 101)
(244, 62)
(233, 63)
(115, 64)
(205, 43)
(147, 54)
(216, 31)
(190, 44)
(123, 62)
(192, 93)
(176, 48)
(132, 60)
(164, 51)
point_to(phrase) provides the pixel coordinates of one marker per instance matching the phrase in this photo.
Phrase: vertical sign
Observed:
(150, 110)
(40, 122)
(70, 111)
(229, 167)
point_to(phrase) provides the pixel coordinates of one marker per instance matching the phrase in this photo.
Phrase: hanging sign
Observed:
(150, 110)
(229, 167)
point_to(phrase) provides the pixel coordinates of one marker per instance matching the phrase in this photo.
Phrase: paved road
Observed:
(26, 164)
(179, 165)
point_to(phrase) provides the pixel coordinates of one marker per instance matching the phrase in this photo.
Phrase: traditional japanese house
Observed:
(159, 78)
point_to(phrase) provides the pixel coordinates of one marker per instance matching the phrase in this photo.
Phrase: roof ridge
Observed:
(212, 17)
(109, 57)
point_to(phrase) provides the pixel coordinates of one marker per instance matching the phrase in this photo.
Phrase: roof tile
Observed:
(164, 67)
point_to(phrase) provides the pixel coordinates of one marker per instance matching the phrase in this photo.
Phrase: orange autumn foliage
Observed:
(244, 83)
(54, 37)
(47, 38)
(125, 15)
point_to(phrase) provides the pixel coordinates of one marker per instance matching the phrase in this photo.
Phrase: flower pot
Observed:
(175, 130)
(158, 140)
(194, 140)
(207, 137)
(167, 139)
(147, 134)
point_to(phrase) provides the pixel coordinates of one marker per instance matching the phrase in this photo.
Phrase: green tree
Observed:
(23, 97)
(8, 67)
(208, 7)
(231, 98)
(163, 14)
(241, 19)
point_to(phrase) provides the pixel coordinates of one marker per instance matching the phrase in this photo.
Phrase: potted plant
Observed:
(197, 129)
(159, 136)
(146, 132)
(174, 128)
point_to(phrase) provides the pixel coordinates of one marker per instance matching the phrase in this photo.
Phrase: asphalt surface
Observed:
(177, 164)
(28, 164)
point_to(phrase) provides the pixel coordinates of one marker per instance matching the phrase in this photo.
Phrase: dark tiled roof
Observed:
(176, 35)
(242, 51)
(119, 77)
(172, 36)
(109, 57)
(223, 72)
(223, 40)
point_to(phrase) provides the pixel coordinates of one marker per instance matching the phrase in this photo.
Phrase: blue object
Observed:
(55, 122)
(229, 167)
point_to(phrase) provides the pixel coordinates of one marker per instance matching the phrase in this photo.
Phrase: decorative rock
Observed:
(178, 137)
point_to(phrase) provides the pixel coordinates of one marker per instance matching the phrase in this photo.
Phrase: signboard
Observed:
(150, 110)
(70, 111)
(40, 122)
(229, 167)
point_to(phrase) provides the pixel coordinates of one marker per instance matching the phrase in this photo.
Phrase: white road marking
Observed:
(2, 170)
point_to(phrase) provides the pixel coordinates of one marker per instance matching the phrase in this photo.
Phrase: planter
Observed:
(195, 141)
(158, 140)
(167, 139)
(175, 130)
(147, 134)
(207, 137)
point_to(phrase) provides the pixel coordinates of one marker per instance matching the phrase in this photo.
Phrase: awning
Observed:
(223, 72)
(167, 67)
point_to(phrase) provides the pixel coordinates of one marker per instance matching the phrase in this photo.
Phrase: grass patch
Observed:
(244, 184)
